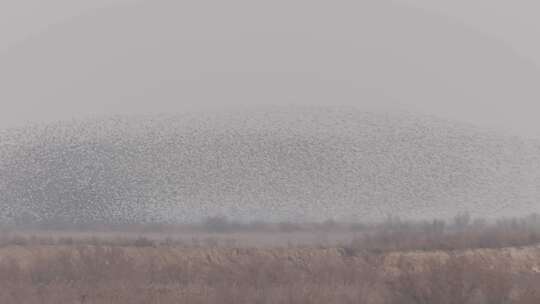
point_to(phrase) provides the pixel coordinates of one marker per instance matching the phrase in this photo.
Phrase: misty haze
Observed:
(374, 151)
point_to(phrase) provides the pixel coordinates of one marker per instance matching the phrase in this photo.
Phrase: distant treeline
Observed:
(393, 234)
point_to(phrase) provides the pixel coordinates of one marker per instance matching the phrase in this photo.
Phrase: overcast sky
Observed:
(512, 23)
(516, 22)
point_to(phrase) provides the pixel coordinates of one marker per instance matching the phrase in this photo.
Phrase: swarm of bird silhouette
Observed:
(305, 164)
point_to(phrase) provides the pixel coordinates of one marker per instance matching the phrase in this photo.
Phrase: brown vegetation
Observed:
(97, 274)
(395, 262)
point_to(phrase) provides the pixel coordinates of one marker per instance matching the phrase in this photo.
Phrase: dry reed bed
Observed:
(396, 262)
(524, 259)
(104, 274)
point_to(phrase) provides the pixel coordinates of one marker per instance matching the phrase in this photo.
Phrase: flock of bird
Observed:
(276, 164)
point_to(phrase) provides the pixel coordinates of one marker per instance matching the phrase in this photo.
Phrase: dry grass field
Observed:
(102, 274)
(395, 262)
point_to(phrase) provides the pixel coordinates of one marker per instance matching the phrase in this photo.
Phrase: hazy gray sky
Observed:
(317, 59)
(515, 22)
(20, 19)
